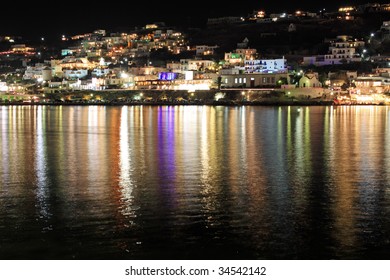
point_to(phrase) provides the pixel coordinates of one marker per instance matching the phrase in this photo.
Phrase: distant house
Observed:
(205, 50)
(243, 44)
(292, 27)
(336, 80)
(223, 20)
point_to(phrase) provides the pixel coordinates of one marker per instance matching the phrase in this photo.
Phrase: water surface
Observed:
(194, 182)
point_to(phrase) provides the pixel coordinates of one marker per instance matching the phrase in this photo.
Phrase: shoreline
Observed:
(178, 103)
(253, 97)
(214, 103)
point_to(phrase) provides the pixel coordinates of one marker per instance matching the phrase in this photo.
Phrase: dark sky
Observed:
(73, 17)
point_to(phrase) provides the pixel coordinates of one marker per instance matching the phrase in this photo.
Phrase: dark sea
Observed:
(194, 182)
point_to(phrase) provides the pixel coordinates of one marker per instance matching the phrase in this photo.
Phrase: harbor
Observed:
(229, 97)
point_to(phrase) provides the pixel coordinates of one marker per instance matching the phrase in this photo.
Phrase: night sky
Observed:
(67, 17)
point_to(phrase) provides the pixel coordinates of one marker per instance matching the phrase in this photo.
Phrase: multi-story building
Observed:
(343, 49)
(238, 56)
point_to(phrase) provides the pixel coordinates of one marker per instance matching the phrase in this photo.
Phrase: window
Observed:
(244, 80)
(235, 80)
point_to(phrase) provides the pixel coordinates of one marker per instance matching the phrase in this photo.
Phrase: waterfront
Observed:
(195, 182)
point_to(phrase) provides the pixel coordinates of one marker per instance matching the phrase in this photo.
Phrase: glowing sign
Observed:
(167, 76)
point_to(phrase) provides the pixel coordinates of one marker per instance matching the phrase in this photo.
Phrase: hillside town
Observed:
(251, 59)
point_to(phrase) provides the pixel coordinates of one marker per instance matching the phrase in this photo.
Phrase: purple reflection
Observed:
(166, 150)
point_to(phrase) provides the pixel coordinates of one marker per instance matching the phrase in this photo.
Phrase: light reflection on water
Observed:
(194, 182)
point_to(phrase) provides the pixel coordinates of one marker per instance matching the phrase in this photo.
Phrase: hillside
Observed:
(273, 39)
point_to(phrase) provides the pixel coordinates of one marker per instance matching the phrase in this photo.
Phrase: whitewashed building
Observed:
(343, 49)
(195, 64)
(310, 80)
(265, 65)
(34, 72)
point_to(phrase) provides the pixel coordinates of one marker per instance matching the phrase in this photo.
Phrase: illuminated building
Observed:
(266, 65)
(36, 72)
(252, 80)
(205, 50)
(238, 56)
(310, 80)
(371, 85)
(342, 49)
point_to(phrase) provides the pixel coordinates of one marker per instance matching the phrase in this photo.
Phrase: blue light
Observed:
(167, 76)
